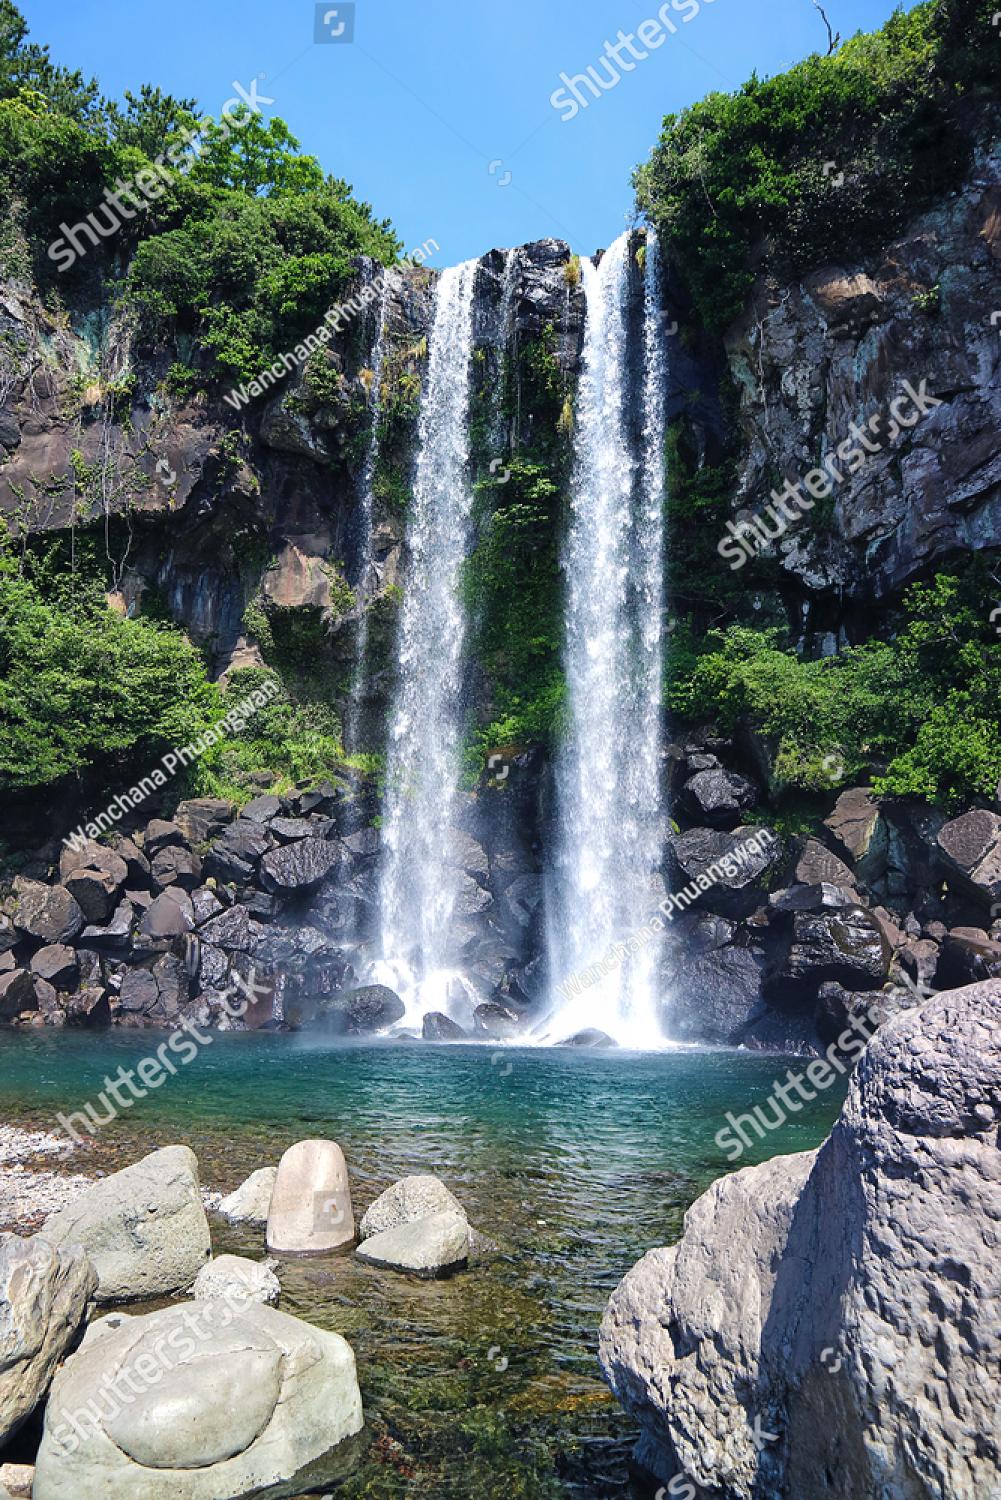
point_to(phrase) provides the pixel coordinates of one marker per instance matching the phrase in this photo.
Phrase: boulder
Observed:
(175, 865)
(844, 1300)
(115, 934)
(234, 1402)
(165, 918)
(298, 868)
(717, 797)
(205, 905)
(847, 945)
(236, 855)
(360, 1012)
(201, 818)
(16, 1481)
(89, 1007)
(425, 1247)
(44, 1293)
(817, 865)
(437, 1027)
(310, 1212)
(144, 1228)
(9, 936)
(17, 993)
(136, 862)
(291, 830)
(967, 955)
(496, 1020)
(262, 809)
(724, 866)
(716, 995)
(591, 1038)
(859, 833)
(46, 912)
(234, 930)
(58, 965)
(411, 1198)
(161, 834)
(96, 892)
(232, 1278)
(250, 1203)
(970, 849)
(523, 897)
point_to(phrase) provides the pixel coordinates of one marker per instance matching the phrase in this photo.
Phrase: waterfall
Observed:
(418, 885)
(605, 886)
(365, 574)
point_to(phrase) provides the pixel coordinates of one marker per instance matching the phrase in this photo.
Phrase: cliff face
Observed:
(838, 347)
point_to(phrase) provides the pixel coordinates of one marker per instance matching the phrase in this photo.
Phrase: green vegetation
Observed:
(236, 240)
(934, 687)
(762, 168)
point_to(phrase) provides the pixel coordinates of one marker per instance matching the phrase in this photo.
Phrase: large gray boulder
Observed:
(296, 869)
(233, 1278)
(827, 1325)
(46, 912)
(425, 1247)
(144, 1228)
(251, 1201)
(44, 1292)
(411, 1198)
(233, 1402)
(970, 849)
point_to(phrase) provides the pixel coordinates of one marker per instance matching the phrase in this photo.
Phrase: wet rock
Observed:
(591, 1038)
(44, 1295)
(361, 1012)
(47, 913)
(437, 1027)
(723, 866)
(47, 1002)
(89, 1007)
(522, 899)
(847, 946)
(812, 898)
(427, 1247)
(471, 898)
(469, 855)
(814, 1330)
(251, 1201)
(496, 1020)
(967, 955)
(143, 1228)
(310, 1210)
(233, 930)
(970, 847)
(258, 1404)
(717, 797)
(290, 830)
(410, 1199)
(235, 1279)
(57, 964)
(299, 868)
(716, 995)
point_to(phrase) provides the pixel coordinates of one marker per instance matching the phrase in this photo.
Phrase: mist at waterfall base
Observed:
(602, 876)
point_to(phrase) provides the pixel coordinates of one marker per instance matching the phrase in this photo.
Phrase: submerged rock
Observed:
(44, 1293)
(591, 1037)
(428, 1247)
(144, 1228)
(234, 1403)
(843, 1300)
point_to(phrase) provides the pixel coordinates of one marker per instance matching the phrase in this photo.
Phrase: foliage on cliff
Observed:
(233, 237)
(824, 160)
(934, 687)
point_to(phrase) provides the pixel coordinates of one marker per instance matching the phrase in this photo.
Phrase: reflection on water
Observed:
(574, 1163)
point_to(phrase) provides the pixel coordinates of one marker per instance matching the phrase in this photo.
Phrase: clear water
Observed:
(575, 1163)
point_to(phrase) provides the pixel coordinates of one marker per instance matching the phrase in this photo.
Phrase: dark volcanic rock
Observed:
(202, 818)
(596, 1040)
(716, 995)
(970, 847)
(859, 833)
(17, 993)
(437, 1027)
(717, 797)
(262, 809)
(846, 945)
(176, 866)
(166, 918)
(57, 964)
(48, 913)
(161, 834)
(495, 1020)
(116, 934)
(360, 1012)
(236, 855)
(722, 865)
(299, 868)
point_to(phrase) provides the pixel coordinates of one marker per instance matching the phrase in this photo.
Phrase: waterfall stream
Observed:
(605, 886)
(419, 885)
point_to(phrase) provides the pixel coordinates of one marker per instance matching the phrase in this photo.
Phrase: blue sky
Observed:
(429, 96)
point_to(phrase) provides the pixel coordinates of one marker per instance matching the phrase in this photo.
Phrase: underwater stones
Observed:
(143, 1228)
(251, 1201)
(310, 1211)
(412, 1198)
(234, 1278)
(44, 1292)
(235, 1401)
(428, 1247)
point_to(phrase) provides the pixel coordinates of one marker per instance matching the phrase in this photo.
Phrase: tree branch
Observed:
(833, 37)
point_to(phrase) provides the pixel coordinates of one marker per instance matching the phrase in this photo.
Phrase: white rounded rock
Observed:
(232, 1277)
(409, 1199)
(251, 1201)
(424, 1247)
(311, 1211)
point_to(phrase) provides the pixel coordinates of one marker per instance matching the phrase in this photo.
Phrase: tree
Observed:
(243, 152)
(150, 120)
